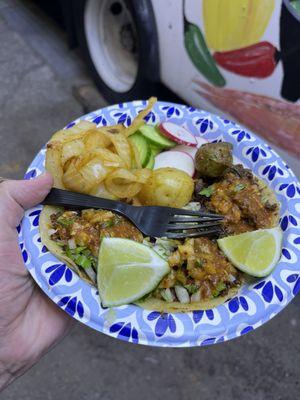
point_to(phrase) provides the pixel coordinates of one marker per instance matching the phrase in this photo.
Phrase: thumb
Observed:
(29, 193)
(15, 196)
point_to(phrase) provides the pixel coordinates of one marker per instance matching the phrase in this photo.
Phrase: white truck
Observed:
(239, 58)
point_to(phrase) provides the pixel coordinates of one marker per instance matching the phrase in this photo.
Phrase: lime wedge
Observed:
(255, 253)
(127, 271)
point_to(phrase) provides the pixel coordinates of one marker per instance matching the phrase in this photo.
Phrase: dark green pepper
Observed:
(200, 55)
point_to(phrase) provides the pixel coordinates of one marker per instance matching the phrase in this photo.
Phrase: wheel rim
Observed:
(111, 39)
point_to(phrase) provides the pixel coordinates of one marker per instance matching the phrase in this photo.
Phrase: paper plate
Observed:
(254, 305)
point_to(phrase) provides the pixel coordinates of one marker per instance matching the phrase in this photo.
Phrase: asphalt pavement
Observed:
(43, 86)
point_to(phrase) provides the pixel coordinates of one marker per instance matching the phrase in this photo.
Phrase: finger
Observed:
(15, 196)
(29, 193)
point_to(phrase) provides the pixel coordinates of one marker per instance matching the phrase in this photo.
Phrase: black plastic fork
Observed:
(155, 221)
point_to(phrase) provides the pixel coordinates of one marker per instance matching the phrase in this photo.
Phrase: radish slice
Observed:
(191, 150)
(186, 149)
(175, 159)
(177, 133)
(200, 141)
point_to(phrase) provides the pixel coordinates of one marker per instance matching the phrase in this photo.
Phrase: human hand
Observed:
(30, 324)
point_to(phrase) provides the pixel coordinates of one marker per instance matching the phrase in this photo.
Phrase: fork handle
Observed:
(65, 198)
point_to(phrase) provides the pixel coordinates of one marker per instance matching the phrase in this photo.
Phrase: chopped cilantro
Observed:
(198, 263)
(239, 187)
(208, 191)
(108, 224)
(86, 252)
(79, 249)
(180, 276)
(81, 256)
(69, 253)
(219, 288)
(65, 222)
(191, 288)
(83, 261)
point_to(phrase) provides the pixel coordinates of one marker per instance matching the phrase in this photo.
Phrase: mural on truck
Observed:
(231, 41)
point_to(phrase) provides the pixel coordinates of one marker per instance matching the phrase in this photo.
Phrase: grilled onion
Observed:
(82, 178)
(123, 183)
(98, 160)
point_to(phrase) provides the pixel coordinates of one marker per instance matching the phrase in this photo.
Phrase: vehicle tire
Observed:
(119, 42)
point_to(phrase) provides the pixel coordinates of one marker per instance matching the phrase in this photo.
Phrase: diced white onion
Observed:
(71, 244)
(195, 297)
(192, 206)
(182, 294)
(51, 231)
(91, 273)
(168, 295)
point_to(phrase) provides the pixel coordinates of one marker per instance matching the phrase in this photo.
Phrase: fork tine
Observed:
(196, 213)
(174, 227)
(181, 235)
(188, 219)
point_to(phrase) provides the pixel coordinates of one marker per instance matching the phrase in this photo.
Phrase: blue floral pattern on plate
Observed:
(254, 304)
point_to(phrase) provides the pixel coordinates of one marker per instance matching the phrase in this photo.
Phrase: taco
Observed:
(256, 208)
(246, 202)
(199, 269)
(74, 237)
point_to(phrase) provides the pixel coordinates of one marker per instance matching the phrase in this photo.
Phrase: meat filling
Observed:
(86, 228)
(200, 267)
(240, 200)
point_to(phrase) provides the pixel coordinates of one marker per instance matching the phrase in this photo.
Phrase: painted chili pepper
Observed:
(199, 54)
(258, 60)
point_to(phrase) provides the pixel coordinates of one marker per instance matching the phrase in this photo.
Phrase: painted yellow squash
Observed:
(232, 24)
